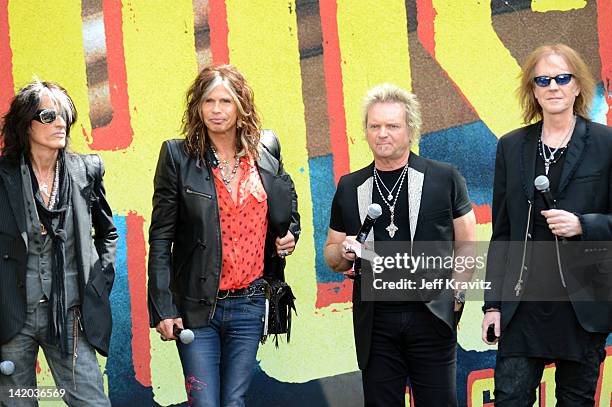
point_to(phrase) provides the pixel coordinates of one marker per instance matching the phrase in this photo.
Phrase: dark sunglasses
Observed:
(561, 79)
(45, 116)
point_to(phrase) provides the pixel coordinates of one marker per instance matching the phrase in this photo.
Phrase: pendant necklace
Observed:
(224, 169)
(392, 228)
(549, 154)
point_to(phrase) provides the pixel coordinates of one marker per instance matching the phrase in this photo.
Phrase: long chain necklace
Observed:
(224, 169)
(392, 228)
(551, 158)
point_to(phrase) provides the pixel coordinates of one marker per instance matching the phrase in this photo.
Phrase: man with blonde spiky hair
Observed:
(422, 201)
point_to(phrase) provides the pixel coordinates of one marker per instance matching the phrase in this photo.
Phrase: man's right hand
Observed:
(166, 328)
(491, 317)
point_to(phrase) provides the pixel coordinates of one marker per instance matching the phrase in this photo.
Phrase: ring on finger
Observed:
(284, 253)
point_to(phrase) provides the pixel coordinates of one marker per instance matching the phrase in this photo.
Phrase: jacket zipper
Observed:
(188, 190)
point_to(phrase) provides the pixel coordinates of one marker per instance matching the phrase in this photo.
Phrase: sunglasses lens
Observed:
(48, 116)
(542, 81)
(563, 79)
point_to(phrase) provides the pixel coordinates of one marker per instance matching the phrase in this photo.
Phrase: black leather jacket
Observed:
(185, 233)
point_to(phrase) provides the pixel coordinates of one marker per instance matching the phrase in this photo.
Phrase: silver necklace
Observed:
(392, 228)
(549, 158)
(224, 168)
(389, 192)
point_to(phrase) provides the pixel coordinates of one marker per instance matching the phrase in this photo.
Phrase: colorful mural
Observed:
(128, 63)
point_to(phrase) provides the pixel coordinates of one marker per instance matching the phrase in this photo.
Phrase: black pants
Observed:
(517, 378)
(415, 345)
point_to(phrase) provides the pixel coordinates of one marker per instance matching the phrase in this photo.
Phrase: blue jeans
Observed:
(218, 364)
(87, 389)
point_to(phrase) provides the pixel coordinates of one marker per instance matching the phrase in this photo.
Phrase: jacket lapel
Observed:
(12, 183)
(574, 153)
(529, 148)
(416, 177)
(81, 192)
(364, 199)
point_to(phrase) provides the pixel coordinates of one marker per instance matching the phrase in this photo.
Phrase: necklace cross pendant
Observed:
(392, 229)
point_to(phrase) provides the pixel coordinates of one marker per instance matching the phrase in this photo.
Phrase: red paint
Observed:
(118, 133)
(483, 213)
(333, 86)
(7, 86)
(334, 293)
(219, 31)
(473, 377)
(426, 15)
(604, 27)
(136, 254)
(601, 371)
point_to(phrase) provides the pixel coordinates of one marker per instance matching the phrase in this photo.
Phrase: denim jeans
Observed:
(87, 389)
(218, 364)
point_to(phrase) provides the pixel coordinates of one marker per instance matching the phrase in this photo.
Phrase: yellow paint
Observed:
(543, 6)
(548, 377)
(374, 49)
(263, 44)
(161, 64)
(47, 42)
(605, 398)
(470, 51)
(479, 387)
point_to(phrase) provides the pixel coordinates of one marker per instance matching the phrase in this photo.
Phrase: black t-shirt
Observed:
(345, 212)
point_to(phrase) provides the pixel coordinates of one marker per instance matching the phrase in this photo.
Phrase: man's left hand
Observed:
(562, 223)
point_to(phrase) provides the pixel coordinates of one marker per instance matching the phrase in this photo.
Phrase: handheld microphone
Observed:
(7, 367)
(186, 336)
(491, 337)
(374, 212)
(542, 184)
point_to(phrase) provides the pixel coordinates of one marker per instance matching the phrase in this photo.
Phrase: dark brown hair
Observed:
(248, 127)
(15, 132)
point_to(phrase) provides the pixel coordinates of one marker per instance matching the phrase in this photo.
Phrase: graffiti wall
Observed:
(128, 63)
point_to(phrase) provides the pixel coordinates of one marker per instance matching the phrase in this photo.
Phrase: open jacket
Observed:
(585, 188)
(95, 255)
(185, 234)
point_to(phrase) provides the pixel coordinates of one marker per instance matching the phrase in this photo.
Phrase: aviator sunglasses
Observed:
(561, 79)
(45, 116)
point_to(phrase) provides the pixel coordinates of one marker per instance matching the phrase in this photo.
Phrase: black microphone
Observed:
(543, 186)
(491, 337)
(186, 336)
(374, 212)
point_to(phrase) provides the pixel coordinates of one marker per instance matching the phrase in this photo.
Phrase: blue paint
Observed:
(322, 190)
(123, 387)
(470, 148)
(600, 107)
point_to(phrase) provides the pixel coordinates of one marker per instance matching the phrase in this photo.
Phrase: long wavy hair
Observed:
(16, 123)
(532, 111)
(248, 125)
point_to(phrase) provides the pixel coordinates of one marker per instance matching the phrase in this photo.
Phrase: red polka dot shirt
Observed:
(243, 227)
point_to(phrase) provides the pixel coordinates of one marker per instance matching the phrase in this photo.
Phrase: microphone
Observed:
(7, 367)
(374, 212)
(543, 186)
(186, 336)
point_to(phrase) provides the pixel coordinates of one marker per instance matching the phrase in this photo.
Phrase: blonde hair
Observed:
(390, 93)
(532, 111)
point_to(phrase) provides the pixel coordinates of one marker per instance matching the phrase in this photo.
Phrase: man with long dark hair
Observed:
(55, 279)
